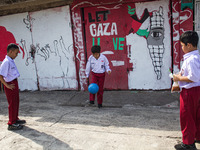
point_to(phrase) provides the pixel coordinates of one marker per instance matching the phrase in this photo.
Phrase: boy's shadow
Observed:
(47, 141)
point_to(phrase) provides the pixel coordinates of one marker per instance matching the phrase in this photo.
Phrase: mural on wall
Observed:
(55, 50)
(155, 41)
(181, 22)
(104, 29)
(6, 38)
(153, 32)
(133, 38)
(149, 44)
(47, 47)
(79, 49)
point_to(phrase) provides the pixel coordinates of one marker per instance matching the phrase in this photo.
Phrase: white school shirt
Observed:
(99, 65)
(8, 69)
(191, 69)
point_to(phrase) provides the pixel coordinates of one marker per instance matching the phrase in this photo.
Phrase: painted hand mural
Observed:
(155, 41)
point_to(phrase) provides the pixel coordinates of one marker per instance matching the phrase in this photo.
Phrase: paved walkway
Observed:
(60, 120)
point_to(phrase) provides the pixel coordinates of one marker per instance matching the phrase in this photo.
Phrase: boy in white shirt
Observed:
(189, 82)
(8, 76)
(97, 64)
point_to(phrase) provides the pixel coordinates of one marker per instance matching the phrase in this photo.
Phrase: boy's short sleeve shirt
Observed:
(191, 69)
(99, 65)
(8, 69)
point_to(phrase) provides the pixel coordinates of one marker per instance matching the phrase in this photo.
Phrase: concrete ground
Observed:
(61, 120)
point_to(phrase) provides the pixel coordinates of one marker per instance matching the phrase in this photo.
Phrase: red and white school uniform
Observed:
(190, 98)
(10, 73)
(97, 68)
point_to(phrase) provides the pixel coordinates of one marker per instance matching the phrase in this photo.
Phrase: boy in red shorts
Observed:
(189, 82)
(97, 64)
(8, 76)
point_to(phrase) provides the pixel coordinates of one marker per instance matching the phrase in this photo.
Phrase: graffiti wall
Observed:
(105, 28)
(46, 59)
(13, 30)
(79, 48)
(135, 36)
(136, 39)
(150, 46)
(182, 21)
(197, 19)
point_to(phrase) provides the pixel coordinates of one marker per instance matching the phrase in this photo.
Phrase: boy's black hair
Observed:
(96, 49)
(190, 37)
(12, 47)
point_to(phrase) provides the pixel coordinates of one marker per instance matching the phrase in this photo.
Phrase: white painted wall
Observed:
(50, 33)
(57, 70)
(15, 25)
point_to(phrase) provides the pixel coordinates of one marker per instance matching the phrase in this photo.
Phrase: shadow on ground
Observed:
(141, 109)
(44, 140)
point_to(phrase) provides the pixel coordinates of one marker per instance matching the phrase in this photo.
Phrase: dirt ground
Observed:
(60, 120)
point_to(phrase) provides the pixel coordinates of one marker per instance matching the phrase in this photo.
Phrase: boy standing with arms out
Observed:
(189, 82)
(8, 76)
(97, 64)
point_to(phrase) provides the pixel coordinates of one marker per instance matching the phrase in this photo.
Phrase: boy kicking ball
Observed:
(97, 65)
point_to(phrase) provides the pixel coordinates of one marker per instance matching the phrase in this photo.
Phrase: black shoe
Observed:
(99, 105)
(21, 121)
(91, 102)
(15, 126)
(185, 147)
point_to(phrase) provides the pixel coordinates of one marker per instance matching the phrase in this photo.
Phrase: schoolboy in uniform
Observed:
(189, 82)
(97, 64)
(8, 76)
